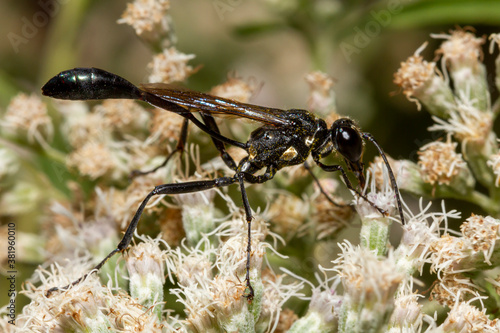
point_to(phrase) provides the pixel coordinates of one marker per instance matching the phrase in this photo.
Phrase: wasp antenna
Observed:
(370, 137)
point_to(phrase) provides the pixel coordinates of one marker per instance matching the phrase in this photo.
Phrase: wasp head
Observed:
(347, 141)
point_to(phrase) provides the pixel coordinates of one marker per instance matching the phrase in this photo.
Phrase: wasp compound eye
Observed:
(347, 142)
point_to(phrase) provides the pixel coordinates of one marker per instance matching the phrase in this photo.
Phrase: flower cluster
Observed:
(465, 113)
(463, 110)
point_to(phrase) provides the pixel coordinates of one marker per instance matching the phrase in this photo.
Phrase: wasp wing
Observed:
(194, 101)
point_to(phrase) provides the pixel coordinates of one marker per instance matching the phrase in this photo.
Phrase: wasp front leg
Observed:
(336, 167)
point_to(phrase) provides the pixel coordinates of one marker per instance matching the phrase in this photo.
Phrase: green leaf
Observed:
(253, 29)
(447, 12)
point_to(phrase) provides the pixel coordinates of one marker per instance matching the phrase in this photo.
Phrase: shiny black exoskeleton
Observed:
(285, 138)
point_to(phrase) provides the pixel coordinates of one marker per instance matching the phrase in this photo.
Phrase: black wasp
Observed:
(286, 138)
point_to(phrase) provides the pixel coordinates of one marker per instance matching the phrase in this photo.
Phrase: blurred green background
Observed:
(276, 42)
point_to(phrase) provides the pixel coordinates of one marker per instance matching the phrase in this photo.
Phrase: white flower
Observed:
(28, 115)
(149, 18)
(439, 163)
(170, 66)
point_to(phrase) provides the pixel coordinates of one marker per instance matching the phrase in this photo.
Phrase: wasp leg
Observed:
(322, 190)
(248, 214)
(248, 177)
(212, 125)
(333, 168)
(241, 176)
(176, 188)
(179, 148)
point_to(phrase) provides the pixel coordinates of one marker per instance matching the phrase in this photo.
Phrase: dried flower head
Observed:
(164, 127)
(236, 89)
(367, 278)
(212, 292)
(414, 73)
(370, 283)
(321, 97)
(446, 252)
(170, 66)
(92, 159)
(454, 288)
(466, 122)
(87, 306)
(149, 18)
(146, 267)
(172, 230)
(482, 233)
(421, 82)
(407, 313)
(452, 256)
(286, 320)
(28, 115)
(462, 52)
(465, 317)
(79, 308)
(82, 127)
(461, 48)
(330, 218)
(439, 163)
(122, 114)
(287, 213)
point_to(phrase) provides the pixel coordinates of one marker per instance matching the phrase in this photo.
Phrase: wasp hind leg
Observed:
(179, 148)
(169, 189)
